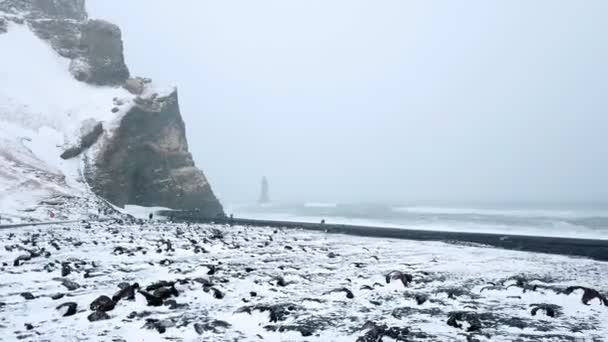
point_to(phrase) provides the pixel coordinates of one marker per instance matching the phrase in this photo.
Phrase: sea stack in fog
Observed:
(264, 196)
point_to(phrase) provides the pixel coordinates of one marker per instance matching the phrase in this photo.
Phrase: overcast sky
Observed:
(359, 100)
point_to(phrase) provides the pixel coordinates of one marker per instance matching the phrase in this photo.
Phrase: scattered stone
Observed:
(28, 295)
(71, 308)
(159, 325)
(213, 326)
(103, 304)
(550, 310)
(20, 259)
(135, 85)
(126, 292)
(139, 314)
(348, 292)
(65, 269)
(151, 299)
(588, 294)
(173, 304)
(456, 318)
(376, 332)
(98, 316)
(70, 285)
(278, 312)
(158, 285)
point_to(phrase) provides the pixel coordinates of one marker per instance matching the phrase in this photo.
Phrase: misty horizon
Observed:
(349, 101)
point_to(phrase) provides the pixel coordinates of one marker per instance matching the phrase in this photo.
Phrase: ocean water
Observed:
(583, 221)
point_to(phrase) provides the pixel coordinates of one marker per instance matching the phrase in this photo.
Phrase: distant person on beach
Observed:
(151, 216)
(323, 221)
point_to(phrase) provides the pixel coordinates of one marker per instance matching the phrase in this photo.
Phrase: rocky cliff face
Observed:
(143, 159)
(147, 161)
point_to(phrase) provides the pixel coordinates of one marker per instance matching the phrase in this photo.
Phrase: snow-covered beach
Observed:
(264, 284)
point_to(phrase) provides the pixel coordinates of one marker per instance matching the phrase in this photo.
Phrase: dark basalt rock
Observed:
(63, 35)
(456, 318)
(142, 314)
(588, 294)
(86, 141)
(28, 295)
(59, 9)
(94, 46)
(3, 26)
(376, 332)
(173, 304)
(550, 310)
(70, 285)
(65, 269)
(348, 292)
(102, 303)
(58, 296)
(404, 312)
(158, 325)
(98, 316)
(215, 326)
(303, 330)
(20, 259)
(151, 299)
(103, 56)
(165, 292)
(278, 312)
(126, 292)
(71, 308)
(147, 162)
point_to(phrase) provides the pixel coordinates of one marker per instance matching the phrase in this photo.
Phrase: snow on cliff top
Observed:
(42, 109)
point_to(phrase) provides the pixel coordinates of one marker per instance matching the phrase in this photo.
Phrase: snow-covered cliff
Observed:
(74, 124)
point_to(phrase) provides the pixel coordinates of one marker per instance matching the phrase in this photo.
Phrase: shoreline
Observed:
(579, 247)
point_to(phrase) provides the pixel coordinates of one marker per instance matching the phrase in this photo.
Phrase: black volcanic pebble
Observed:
(160, 326)
(17, 261)
(58, 296)
(71, 308)
(28, 326)
(70, 285)
(102, 303)
(199, 328)
(65, 270)
(173, 304)
(151, 299)
(158, 285)
(98, 316)
(253, 294)
(421, 298)
(28, 295)
(165, 292)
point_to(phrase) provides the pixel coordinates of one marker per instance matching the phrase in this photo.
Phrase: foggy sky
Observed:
(358, 100)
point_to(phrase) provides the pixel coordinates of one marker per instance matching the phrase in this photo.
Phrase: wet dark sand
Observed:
(595, 249)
